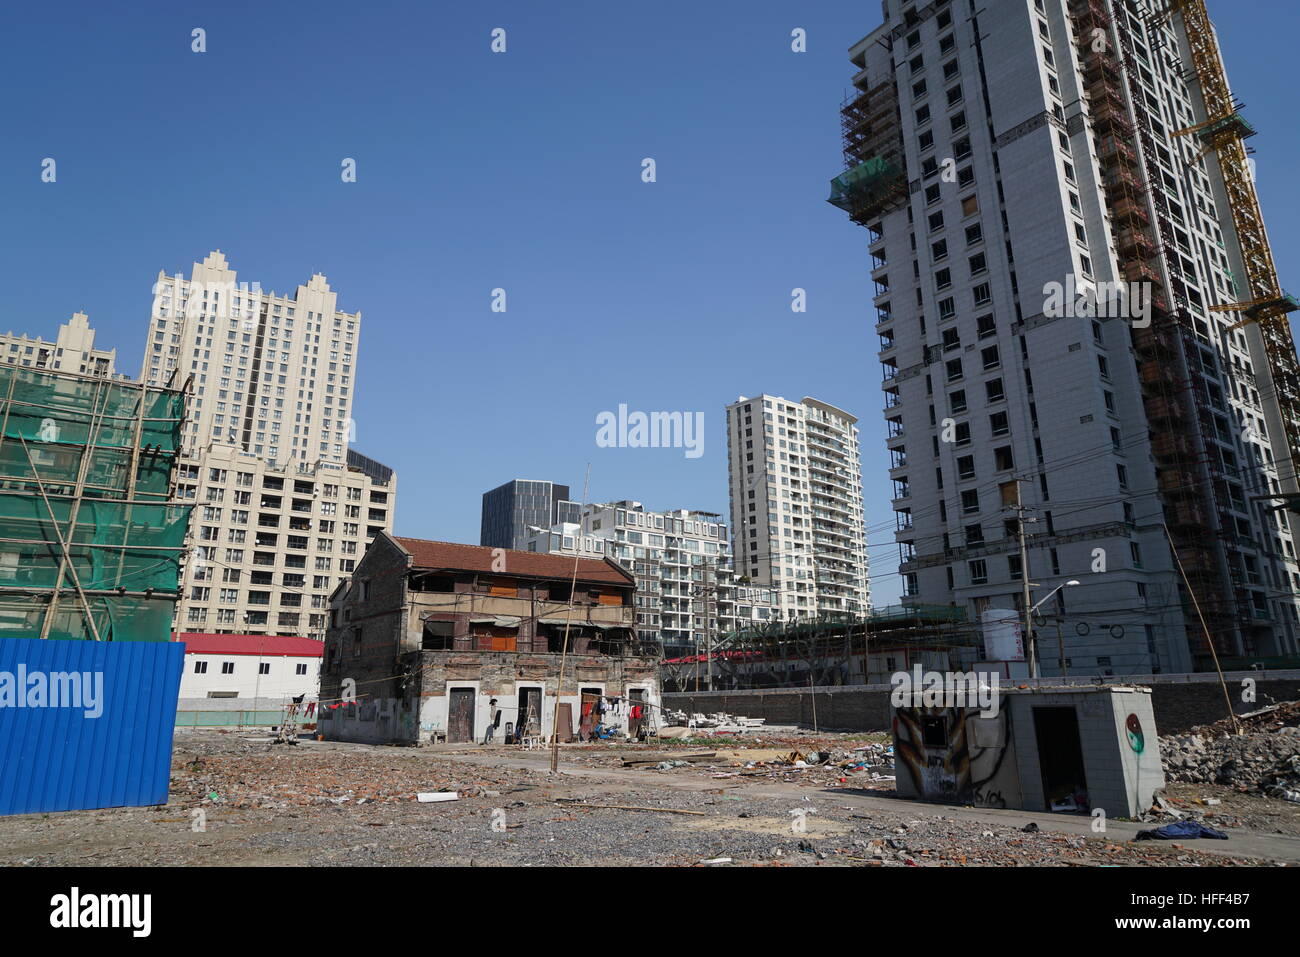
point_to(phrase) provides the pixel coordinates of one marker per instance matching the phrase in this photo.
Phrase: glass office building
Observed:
(509, 509)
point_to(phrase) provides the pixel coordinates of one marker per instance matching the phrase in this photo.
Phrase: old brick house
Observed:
(430, 632)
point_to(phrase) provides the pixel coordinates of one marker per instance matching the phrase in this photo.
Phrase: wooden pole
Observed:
(1227, 698)
(564, 650)
(814, 700)
(66, 559)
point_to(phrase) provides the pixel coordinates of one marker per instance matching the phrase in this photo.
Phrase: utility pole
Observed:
(1011, 496)
(1209, 639)
(705, 593)
(1060, 646)
(564, 650)
(708, 630)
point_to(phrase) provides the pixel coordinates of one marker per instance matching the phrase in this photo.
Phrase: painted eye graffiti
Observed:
(1136, 739)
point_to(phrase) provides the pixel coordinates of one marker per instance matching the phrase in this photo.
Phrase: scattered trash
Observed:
(714, 860)
(437, 797)
(1030, 828)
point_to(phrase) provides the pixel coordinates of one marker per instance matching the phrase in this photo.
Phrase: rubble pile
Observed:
(866, 765)
(1264, 758)
(720, 722)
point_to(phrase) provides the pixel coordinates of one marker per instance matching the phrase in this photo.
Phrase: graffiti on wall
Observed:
(1136, 739)
(934, 747)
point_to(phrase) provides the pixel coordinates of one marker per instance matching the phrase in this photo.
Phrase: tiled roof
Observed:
(268, 646)
(480, 558)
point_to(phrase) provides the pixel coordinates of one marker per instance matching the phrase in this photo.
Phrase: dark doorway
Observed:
(460, 715)
(1060, 758)
(530, 712)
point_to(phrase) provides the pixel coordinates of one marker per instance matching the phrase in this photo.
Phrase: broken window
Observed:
(439, 583)
(934, 732)
(439, 636)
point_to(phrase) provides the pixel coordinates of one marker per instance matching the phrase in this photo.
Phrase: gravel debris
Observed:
(238, 800)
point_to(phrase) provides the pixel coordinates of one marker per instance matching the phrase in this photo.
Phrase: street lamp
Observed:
(1031, 644)
(1072, 581)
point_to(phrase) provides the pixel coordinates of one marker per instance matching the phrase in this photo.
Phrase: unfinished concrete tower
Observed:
(1075, 302)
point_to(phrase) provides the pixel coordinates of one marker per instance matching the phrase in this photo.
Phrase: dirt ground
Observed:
(238, 800)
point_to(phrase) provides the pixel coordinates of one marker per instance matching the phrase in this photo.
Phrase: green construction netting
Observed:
(49, 407)
(112, 545)
(107, 475)
(66, 422)
(118, 619)
(864, 182)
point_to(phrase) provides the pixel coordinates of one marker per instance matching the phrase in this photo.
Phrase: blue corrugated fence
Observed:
(86, 724)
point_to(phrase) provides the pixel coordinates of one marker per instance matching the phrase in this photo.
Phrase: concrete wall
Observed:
(256, 713)
(422, 712)
(974, 764)
(1120, 778)
(365, 648)
(502, 675)
(1179, 702)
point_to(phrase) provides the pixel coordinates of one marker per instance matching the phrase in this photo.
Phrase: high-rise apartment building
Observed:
(1050, 236)
(269, 543)
(510, 509)
(72, 351)
(283, 508)
(687, 590)
(272, 374)
(796, 504)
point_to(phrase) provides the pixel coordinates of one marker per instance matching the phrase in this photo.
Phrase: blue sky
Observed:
(479, 170)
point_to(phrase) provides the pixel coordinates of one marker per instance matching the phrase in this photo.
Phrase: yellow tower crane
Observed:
(1263, 302)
